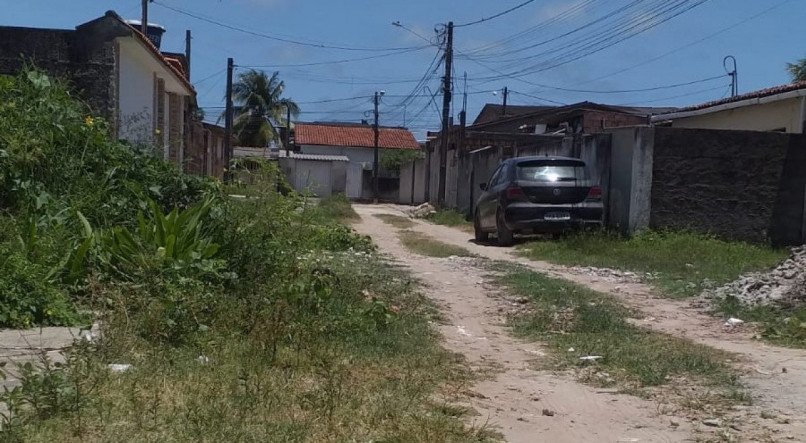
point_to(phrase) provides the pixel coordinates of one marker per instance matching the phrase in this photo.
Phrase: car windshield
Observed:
(550, 172)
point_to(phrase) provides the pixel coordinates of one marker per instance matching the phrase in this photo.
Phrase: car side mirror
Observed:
(483, 186)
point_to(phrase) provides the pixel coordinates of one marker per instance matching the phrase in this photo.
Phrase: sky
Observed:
(545, 52)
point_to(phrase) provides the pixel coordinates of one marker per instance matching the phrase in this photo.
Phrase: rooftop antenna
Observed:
(734, 75)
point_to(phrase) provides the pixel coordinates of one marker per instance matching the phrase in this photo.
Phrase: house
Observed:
(354, 142)
(781, 109)
(578, 118)
(121, 74)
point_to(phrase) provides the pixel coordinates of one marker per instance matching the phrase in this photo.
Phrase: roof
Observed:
(564, 110)
(314, 157)
(775, 93)
(353, 135)
(150, 46)
(492, 112)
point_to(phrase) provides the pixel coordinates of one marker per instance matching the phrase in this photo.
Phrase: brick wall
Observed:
(740, 185)
(90, 69)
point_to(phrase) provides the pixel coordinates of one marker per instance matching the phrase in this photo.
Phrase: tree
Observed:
(797, 70)
(259, 108)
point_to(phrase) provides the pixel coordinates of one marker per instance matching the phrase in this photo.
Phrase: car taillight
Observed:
(515, 193)
(595, 193)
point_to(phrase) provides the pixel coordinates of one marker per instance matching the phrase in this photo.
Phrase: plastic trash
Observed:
(734, 322)
(203, 359)
(591, 357)
(119, 367)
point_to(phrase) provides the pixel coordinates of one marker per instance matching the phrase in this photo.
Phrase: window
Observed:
(496, 177)
(551, 171)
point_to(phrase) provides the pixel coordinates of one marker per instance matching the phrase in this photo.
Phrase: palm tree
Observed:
(259, 108)
(797, 70)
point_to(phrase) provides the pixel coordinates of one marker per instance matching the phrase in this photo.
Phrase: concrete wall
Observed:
(136, 107)
(629, 185)
(320, 178)
(773, 116)
(741, 185)
(412, 183)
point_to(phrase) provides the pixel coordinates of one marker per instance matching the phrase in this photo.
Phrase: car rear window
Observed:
(550, 171)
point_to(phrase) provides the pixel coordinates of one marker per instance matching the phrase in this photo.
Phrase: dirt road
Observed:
(517, 395)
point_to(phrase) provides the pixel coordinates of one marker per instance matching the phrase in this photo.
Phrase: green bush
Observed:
(27, 298)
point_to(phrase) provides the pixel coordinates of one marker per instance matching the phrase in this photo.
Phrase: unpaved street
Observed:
(516, 395)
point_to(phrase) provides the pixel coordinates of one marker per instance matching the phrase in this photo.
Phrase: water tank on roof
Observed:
(154, 31)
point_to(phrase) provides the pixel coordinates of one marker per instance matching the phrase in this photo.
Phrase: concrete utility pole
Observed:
(377, 132)
(188, 37)
(446, 114)
(228, 112)
(506, 95)
(287, 141)
(144, 18)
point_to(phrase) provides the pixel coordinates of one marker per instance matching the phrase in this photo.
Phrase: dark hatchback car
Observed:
(537, 194)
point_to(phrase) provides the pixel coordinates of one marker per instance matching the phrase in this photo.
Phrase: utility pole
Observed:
(187, 50)
(144, 18)
(228, 113)
(287, 141)
(506, 95)
(446, 114)
(376, 131)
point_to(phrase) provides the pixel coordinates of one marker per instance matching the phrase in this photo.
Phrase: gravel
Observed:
(784, 285)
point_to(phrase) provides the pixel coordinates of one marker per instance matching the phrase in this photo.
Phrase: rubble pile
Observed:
(784, 285)
(422, 211)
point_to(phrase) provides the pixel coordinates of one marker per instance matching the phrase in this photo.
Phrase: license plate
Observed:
(557, 216)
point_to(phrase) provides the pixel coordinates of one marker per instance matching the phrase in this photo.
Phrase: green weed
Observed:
(577, 322)
(425, 245)
(680, 264)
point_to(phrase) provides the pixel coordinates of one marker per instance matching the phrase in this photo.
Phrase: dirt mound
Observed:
(784, 285)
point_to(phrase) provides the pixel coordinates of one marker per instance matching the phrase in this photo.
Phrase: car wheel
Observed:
(481, 236)
(505, 235)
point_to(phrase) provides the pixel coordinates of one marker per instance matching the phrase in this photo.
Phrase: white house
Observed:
(355, 142)
(781, 108)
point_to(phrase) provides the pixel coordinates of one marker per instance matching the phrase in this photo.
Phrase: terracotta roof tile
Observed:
(780, 89)
(353, 135)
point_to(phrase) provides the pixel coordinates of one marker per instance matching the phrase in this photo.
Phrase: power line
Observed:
(335, 62)
(624, 91)
(274, 37)
(198, 82)
(538, 98)
(695, 42)
(482, 20)
(675, 96)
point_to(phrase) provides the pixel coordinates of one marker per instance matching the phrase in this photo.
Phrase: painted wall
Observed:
(136, 89)
(412, 183)
(773, 116)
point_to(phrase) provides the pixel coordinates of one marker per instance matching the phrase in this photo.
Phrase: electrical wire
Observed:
(675, 96)
(695, 42)
(335, 62)
(624, 91)
(320, 45)
(502, 13)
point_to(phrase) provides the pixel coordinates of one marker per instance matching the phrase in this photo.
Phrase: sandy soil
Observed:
(515, 397)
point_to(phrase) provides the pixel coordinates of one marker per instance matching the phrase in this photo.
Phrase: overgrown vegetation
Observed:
(394, 159)
(243, 319)
(781, 325)
(338, 207)
(576, 322)
(679, 264)
(424, 245)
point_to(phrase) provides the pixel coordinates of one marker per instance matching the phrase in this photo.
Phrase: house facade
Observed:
(355, 142)
(123, 77)
(778, 109)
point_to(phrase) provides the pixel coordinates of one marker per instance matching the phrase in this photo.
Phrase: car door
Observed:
(488, 202)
